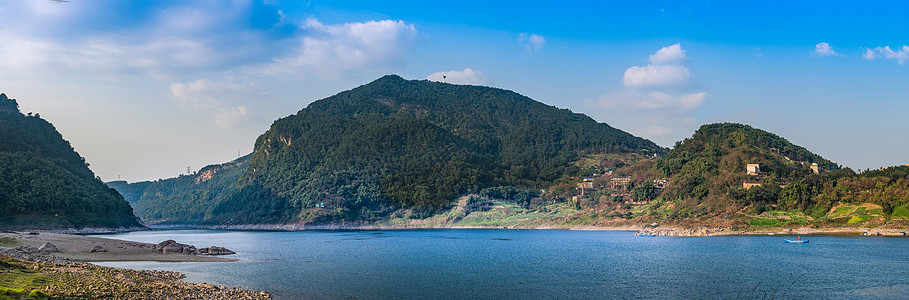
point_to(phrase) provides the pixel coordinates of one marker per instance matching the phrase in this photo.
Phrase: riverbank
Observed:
(662, 230)
(29, 267)
(81, 248)
(24, 279)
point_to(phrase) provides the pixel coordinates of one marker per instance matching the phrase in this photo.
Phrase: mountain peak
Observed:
(8, 104)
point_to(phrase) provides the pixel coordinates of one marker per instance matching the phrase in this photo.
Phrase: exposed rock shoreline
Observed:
(85, 230)
(88, 248)
(75, 280)
(663, 230)
(58, 259)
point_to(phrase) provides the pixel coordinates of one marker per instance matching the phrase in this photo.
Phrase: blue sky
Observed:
(144, 89)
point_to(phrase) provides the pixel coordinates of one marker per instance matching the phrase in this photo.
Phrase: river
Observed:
(540, 264)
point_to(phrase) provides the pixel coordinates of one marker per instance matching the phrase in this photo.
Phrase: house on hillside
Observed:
(586, 185)
(752, 169)
(620, 182)
(815, 169)
(661, 183)
(750, 184)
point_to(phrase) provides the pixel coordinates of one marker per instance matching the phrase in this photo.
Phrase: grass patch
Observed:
(842, 211)
(858, 219)
(9, 242)
(901, 212)
(762, 222)
(8, 293)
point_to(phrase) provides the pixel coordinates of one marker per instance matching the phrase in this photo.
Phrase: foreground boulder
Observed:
(27, 249)
(48, 247)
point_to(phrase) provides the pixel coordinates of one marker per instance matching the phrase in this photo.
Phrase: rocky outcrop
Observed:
(27, 249)
(48, 247)
(97, 249)
(215, 250)
(171, 246)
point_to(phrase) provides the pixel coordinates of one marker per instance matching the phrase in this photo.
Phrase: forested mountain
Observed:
(197, 197)
(707, 178)
(396, 143)
(708, 170)
(44, 183)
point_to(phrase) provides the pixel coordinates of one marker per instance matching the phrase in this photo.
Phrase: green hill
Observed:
(708, 170)
(390, 144)
(45, 184)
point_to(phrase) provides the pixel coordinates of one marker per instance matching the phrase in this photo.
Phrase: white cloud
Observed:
(901, 55)
(230, 117)
(225, 100)
(659, 100)
(664, 71)
(824, 49)
(466, 76)
(668, 55)
(43, 38)
(656, 76)
(333, 51)
(869, 54)
(640, 100)
(532, 42)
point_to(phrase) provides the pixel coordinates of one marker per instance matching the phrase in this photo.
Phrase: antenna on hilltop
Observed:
(187, 171)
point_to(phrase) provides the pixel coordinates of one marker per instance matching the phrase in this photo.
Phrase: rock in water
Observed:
(97, 249)
(48, 247)
(215, 250)
(171, 246)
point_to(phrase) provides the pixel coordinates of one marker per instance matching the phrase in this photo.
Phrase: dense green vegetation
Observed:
(707, 172)
(391, 144)
(44, 183)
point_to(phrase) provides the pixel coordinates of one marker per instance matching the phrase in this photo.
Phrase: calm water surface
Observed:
(535, 264)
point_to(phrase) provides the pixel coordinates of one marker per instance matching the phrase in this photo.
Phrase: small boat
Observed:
(797, 241)
(646, 235)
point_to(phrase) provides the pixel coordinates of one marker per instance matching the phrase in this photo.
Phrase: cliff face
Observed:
(45, 184)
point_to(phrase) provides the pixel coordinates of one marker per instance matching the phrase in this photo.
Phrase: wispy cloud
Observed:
(824, 49)
(49, 38)
(466, 76)
(901, 55)
(333, 51)
(659, 99)
(532, 42)
(226, 101)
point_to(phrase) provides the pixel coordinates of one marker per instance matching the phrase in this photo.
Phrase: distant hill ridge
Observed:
(395, 143)
(45, 184)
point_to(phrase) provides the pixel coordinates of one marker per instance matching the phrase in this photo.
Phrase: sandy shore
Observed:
(77, 247)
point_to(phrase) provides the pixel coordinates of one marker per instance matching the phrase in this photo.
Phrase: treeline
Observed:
(44, 183)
